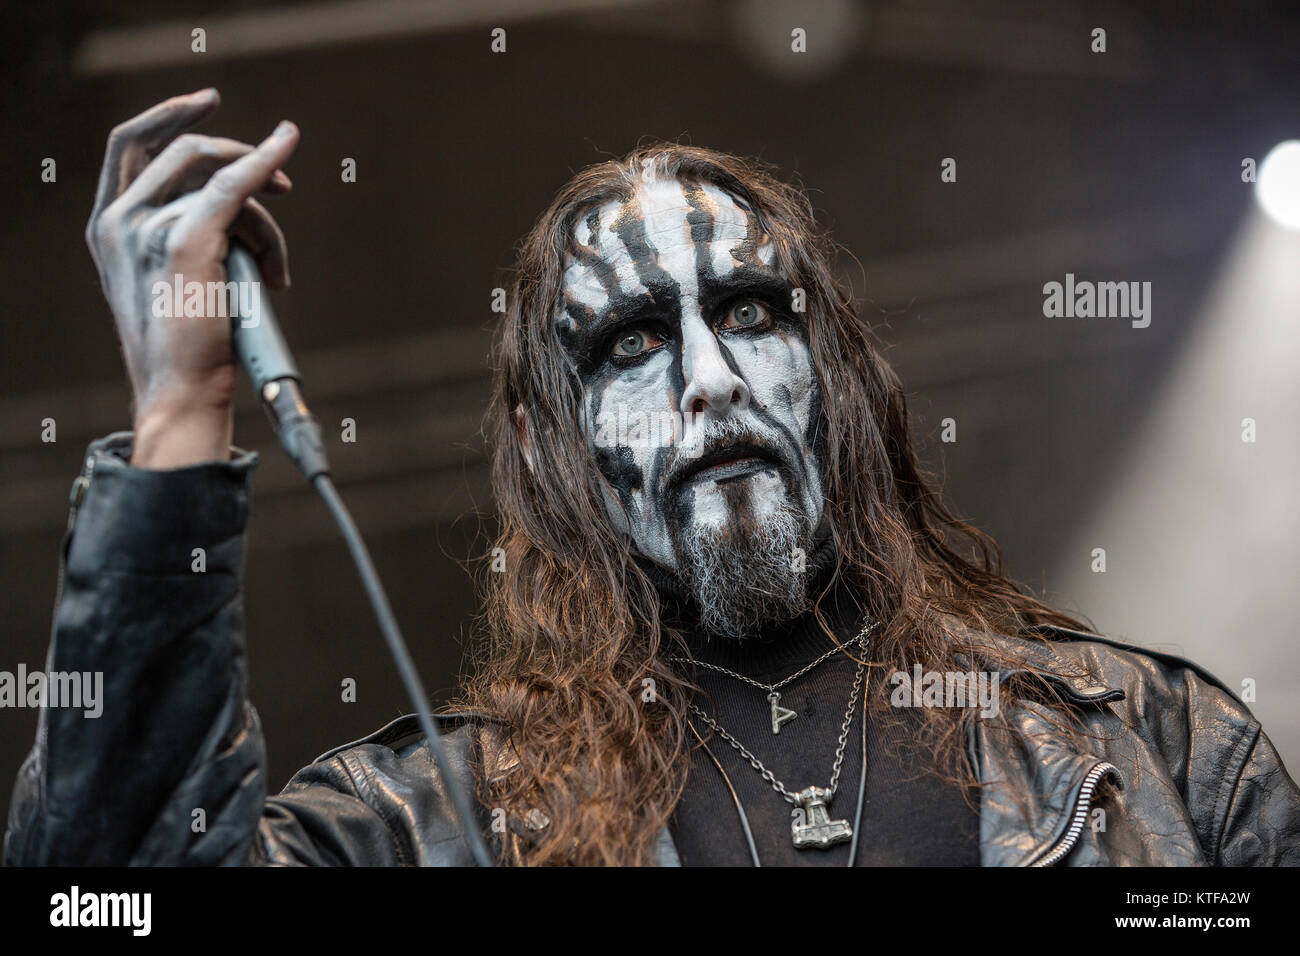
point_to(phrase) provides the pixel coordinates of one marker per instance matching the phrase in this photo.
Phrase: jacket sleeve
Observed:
(1261, 824)
(1246, 804)
(168, 766)
(321, 819)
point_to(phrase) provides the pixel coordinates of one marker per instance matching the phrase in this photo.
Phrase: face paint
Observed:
(678, 324)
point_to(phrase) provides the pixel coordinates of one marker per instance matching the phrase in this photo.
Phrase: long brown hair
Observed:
(572, 658)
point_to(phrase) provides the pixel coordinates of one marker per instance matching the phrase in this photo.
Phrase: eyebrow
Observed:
(624, 309)
(594, 324)
(761, 280)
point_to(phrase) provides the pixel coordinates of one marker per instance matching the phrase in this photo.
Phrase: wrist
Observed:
(176, 434)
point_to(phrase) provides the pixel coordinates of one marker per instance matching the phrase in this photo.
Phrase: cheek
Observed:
(779, 372)
(619, 410)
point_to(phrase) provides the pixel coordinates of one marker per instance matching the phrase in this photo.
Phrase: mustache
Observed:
(718, 440)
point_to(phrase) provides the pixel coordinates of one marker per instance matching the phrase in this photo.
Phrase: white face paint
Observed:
(674, 312)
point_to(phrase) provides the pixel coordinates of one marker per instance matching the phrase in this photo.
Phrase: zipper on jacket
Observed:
(79, 487)
(1081, 807)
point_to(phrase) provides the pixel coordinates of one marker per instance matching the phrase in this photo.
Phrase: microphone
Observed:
(264, 354)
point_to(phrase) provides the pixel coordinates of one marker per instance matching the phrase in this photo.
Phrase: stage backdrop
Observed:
(1072, 434)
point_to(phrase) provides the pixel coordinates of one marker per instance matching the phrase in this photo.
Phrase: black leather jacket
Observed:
(1194, 780)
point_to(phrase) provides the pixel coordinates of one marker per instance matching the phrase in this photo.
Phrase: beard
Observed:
(743, 573)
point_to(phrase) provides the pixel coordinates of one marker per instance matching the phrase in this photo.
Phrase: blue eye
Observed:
(746, 314)
(636, 342)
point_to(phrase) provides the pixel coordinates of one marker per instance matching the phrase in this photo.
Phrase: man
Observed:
(734, 624)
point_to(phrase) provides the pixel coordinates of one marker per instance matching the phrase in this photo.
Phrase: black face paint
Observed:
(671, 272)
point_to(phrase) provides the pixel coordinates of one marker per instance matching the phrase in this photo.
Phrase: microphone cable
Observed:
(265, 357)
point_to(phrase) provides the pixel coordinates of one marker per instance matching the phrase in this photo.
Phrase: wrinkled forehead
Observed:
(662, 242)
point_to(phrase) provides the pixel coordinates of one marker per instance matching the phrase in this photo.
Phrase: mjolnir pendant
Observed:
(812, 824)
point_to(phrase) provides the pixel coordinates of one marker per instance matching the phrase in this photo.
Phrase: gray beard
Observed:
(743, 575)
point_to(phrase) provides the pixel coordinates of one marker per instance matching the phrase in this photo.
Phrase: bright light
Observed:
(1278, 189)
(1202, 506)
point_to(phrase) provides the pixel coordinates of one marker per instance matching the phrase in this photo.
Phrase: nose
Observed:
(710, 381)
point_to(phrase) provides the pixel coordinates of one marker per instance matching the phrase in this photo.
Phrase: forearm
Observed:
(171, 770)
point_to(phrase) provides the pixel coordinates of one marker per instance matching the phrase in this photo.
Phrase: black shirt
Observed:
(909, 817)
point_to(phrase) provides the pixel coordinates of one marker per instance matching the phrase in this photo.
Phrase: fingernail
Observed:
(284, 129)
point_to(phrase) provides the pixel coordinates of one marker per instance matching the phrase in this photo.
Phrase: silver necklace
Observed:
(780, 715)
(811, 824)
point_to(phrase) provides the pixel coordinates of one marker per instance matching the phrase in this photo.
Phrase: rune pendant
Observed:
(780, 715)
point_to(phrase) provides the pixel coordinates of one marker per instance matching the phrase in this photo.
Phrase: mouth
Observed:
(725, 464)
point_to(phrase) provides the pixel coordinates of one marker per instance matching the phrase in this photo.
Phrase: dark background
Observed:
(1116, 166)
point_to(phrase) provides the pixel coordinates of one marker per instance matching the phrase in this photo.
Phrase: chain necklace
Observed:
(780, 715)
(812, 825)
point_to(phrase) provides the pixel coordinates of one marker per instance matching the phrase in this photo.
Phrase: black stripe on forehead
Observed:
(580, 314)
(744, 254)
(746, 251)
(629, 226)
(700, 219)
(588, 254)
(662, 292)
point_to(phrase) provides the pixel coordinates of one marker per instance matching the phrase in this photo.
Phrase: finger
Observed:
(256, 228)
(278, 184)
(222, 198)
(187, 163)
(129, 143)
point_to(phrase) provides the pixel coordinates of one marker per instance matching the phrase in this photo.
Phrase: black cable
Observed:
(402, 658)
(735, 797)
(264, 354)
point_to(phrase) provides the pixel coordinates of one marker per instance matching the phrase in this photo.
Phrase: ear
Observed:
(525, 440)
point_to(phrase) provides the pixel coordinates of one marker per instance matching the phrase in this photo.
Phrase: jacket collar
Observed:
(1039, 655)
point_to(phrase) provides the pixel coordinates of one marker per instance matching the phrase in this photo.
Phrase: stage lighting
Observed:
(1278, 189)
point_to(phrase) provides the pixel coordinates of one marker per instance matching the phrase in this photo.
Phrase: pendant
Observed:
(813, 825)
(780, 715)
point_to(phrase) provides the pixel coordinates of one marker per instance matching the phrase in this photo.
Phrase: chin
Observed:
(742, 573)
(728, 505)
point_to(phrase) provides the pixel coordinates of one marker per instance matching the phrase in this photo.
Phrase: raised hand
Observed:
(167, 203)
